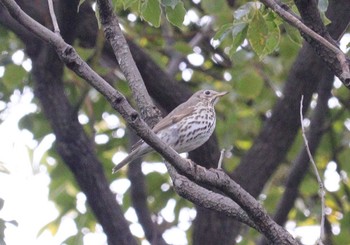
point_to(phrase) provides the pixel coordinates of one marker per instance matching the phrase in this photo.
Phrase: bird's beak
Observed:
(221, 94)
(216, 97)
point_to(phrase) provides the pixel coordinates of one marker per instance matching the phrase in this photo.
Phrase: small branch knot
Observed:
(134, 116)
(68, 55)
(118, 100)
(68, 51)
(347, 82)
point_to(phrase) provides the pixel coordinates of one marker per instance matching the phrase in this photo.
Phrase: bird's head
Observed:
(209, 96)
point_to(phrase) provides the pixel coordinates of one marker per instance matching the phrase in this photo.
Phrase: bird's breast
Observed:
(195, 129)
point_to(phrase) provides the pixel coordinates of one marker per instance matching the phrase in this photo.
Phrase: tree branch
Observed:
(278, 132)
(273, 142)
(208, 199)
(301, 164)
(72, 143)
(127, 64)
(212, 177)
(168, 93)
(344, 72)
(53, 17)
(314, 166)
(138, 194)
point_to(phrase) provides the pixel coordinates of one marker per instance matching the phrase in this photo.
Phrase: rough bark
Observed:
(301, 164)
(279, 131)
(75, 148)
(72, 144)
(271, 150)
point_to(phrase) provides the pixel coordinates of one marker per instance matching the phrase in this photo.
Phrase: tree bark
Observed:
(75, 148)
(72, 144)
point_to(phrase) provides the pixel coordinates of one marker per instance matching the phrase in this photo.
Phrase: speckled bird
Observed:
(186, 128)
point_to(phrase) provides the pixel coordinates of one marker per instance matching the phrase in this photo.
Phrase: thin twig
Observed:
(222, 153)
(202, 176)
(56, 28)
(319, 180)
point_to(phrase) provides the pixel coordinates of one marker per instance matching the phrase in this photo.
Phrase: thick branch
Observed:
(215, 178)
(279, 131)
(168, 93)
(208, 199)
(127, 64)
(73, 145)
(75, 148)
(138, 195)
(218, 179)
(342, 70)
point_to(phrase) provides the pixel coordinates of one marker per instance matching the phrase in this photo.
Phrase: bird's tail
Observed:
(121, 164)
(135, 154)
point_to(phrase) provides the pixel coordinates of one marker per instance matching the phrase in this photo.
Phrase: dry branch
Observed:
(200, 175)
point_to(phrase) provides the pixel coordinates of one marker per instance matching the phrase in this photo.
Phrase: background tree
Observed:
(266, 75)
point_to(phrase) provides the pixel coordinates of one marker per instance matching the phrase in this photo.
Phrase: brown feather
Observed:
(201, 99)
(173, 117)
(165, 122)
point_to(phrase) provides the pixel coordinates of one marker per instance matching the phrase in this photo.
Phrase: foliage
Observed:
(262, 49)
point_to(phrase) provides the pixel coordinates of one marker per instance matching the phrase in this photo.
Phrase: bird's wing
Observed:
(136, 145)
(174, 116)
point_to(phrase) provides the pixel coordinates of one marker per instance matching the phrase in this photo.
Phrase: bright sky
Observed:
(24, 185)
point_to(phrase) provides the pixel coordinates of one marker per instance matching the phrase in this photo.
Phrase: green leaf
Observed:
(326, 21)
(243, 144)
(176, 15)
(170, 3)
(238, 28)
(249, 85)
(76, 239)
(80, 3)
(243, 11)
(183, 47)
(150, 10)
(223, 31)
(258, 33)
(293, 33)
(35, 123)
(239, 33)
(322, 5)
(97, 15)
(13, 77)
(273, 38)
(213, 6)
(128, 3)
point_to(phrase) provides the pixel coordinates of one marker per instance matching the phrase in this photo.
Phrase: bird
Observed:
(184, 129)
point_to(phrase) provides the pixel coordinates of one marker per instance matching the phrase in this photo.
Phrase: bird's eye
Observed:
(207, 92)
